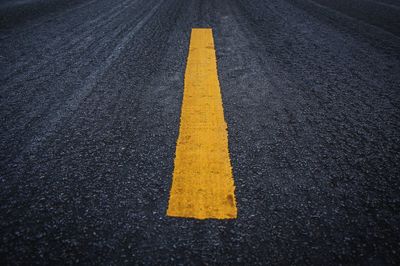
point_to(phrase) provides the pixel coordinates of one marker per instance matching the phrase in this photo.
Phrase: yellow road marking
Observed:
(202, 185)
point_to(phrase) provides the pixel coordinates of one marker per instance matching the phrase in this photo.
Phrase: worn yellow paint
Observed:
(202, 185)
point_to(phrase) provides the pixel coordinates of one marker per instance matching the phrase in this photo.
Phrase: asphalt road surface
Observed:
(91, 94)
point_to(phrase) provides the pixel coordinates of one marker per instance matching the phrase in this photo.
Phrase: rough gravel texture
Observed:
(90, 101)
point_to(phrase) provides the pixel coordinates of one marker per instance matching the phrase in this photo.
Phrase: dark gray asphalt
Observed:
(90, 103)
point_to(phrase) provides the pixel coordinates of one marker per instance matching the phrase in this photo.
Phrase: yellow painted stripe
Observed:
(202, 185)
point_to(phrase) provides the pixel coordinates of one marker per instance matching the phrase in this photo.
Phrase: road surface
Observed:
(91, 96)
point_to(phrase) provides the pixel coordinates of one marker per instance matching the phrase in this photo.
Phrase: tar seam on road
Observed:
(202, 185)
